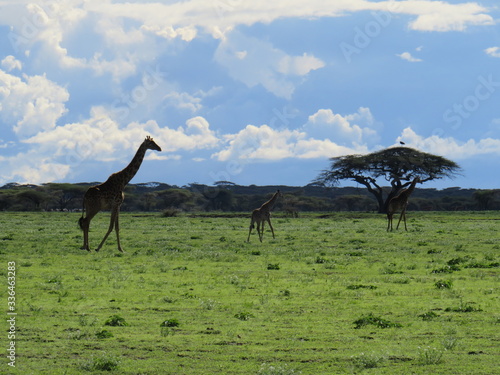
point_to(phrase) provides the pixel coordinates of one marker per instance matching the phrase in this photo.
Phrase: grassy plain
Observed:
(332, 294)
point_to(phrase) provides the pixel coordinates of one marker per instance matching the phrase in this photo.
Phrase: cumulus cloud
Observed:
(187, 33)
(101, 138)
(32, 103)
(259, 143)
(449, 146)
(29, 167)
(57, 152)
(443, 16)
(353, 129)
(325, 135)
(263, 143)
(254, 61)
(116, 27)
(10, 63)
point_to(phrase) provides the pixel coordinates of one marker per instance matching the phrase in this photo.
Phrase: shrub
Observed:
(170, 323)
(170, 212)
(429, 315)
(443, 284)
(273, 266)
(464, 307)
(447, 269)
(115, 321)
(104, 334)
(267, 369)
(430, 356)
(371, 319)
(364, 361)
(243, 316)
(360, 286)
(102, 363)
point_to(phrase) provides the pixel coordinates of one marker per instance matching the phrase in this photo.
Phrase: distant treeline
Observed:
(226, 196)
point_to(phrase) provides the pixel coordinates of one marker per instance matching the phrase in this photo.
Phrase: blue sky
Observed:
(251, 92)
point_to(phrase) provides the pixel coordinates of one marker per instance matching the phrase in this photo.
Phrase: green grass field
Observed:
(331, 294)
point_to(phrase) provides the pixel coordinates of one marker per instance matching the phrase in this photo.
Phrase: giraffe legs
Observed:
(112, 223)
(252, 225)
(85, 226)
(389, 221)
(269, 221)
(402, 216)
(117, 230)
(261, 231)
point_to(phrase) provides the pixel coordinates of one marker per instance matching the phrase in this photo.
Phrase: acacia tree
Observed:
(396, 165)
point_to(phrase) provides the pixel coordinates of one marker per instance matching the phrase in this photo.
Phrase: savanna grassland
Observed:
(332, 294)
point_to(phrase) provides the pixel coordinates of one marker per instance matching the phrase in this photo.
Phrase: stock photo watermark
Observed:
(364, 36)
(11, 314)
(31, 26)
(151, 79)
(484, 90)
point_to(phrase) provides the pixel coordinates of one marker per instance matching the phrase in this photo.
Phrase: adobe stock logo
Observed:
(483, 91)
(364, 36)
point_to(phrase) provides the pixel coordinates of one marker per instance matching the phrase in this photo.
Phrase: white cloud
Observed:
(187, 33)
(56, 153)
(449, 146)
(10, 63)
(101, 138)
(493, 51)
(217, 16)
(182, 100)
(325, 135)
(259, 143)
(323, 149)
(31, 168)
(121, 32)
(33, 103)
(299, 65)
(354, 129)
(443, 16)
(254, 61)
(408, 57)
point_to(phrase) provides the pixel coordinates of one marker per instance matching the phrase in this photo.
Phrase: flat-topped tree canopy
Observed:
(397, 165)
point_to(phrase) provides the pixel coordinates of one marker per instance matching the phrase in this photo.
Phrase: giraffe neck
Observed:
(127, 173)
(412, 187)
(405, 194)
(270, 203)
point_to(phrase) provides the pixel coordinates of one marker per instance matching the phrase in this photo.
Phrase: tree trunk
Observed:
(376, 191)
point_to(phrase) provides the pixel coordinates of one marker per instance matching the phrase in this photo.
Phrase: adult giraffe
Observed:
(262, 214)
(109, 195)
(399, 203)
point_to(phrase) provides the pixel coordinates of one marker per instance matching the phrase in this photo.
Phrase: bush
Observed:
(170, 323)
(267, 369)
(104, 334)
(443, 284)
(102, 363)
(364, 361)
(430, 356)
(370, 319)
(115, 321)
(428, 315)
(243, 316)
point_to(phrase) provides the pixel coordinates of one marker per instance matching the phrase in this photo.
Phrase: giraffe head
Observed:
(150, 144)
